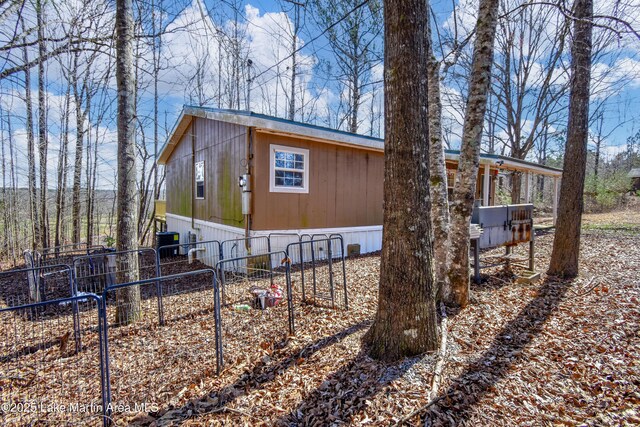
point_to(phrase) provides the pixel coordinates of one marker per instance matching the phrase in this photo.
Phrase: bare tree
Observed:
(438, 176)
(566, 243)
(31, 156)
(43, 140)
(354, 41)
(405, 322)
(465, 187)
(529, 84)
(127, 226)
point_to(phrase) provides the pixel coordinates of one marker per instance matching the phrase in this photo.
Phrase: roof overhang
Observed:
(266, 124)
(174, 137)
(278, 126)
(509, 163)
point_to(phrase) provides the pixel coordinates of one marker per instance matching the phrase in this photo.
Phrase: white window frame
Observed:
(450, 184)
(272, 169)
(195, 181)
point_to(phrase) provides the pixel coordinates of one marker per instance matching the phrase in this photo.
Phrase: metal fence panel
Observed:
(96, 271)
(46, 379)
(318, 272)
(183, 257)
(238, 249)
(70, 250)
(35, 284)
(257, 306)
(151, 363)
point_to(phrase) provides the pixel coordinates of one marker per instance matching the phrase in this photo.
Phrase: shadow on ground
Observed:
(456, 404)
(345, 392)
(261, 374)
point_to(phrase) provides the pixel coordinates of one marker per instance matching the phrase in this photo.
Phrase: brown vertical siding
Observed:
(222, 146)
(345, 187)
(178, 169)
(345, 184)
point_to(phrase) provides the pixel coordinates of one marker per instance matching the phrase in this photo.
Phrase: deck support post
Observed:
(555, 200)
(486, 185)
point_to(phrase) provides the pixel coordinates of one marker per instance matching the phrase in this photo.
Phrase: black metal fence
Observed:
(52, 365)
(257, 305)
(103, 268)
(318, 271)
(36, 284)
(184, 338)
(72, 359)
(179, 258)
(241, 248)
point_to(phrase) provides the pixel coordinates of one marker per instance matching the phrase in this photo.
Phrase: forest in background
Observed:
(308, 61)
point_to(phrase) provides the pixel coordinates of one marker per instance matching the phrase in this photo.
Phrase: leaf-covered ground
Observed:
(546, 353)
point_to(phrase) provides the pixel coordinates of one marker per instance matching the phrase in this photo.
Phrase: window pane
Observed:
(287, 160)
(288, 179)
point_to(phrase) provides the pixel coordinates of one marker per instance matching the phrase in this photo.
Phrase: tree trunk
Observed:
(566, 244)
(128, 299)
(294, 64)
(438, 177)
(31, 155)
(77, 165)
(62, 170)
(43, 143)
(465, 187)
(405, 323)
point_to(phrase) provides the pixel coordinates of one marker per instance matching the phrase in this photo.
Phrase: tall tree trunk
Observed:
(128, 299)
(465, 187)
(566, 243)
(31, 155)
(14, 193)
(438, 177)
(405, 323)
(294, 61)
(62, 170)
(6, 231)
(77, 165)
(43, 142)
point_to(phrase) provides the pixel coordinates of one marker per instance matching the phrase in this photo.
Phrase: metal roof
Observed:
(634, 173)
(269, 124)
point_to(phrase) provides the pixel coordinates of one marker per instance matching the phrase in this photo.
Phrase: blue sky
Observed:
(189, 45)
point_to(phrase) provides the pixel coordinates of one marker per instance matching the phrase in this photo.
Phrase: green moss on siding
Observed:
(227, 195)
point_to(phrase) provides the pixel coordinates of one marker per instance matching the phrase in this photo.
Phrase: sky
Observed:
(188, 47)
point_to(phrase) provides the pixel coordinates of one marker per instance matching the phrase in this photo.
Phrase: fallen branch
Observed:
(590, 288)
(437, 372)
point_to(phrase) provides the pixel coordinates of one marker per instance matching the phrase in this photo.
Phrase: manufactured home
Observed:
(233, 174)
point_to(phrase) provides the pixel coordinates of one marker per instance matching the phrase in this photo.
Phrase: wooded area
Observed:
(535, 81)
(303, 61)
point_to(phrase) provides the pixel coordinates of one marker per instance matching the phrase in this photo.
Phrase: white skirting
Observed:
(204, 230)
(369, 237)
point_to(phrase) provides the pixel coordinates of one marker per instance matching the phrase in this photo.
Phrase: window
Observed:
(451, 178)
(199, 175)
(289, 170)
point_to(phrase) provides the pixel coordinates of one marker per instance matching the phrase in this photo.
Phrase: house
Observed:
(634, 175)
(231, 174)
